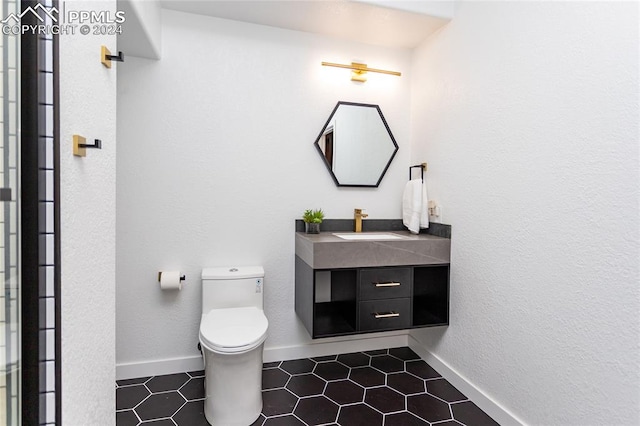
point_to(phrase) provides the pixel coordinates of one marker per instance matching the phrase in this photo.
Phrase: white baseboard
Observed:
(486, 404)
(330, 346)
(158, 367)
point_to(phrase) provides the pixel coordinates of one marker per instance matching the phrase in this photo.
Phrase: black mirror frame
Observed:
(326, 163)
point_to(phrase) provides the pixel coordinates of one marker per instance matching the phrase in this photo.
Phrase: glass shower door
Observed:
(10, 331)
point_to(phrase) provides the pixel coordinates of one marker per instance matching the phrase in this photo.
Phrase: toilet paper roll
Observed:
(170, 280)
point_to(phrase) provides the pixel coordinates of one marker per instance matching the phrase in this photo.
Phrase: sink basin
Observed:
(369, 236)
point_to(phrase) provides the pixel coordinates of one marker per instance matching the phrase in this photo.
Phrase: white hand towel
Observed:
(411, 205)
(424, 207)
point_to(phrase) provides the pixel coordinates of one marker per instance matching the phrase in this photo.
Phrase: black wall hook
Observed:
(183, 277)
(106, 57)
(80, 147)
(96, 144)
(118, 58)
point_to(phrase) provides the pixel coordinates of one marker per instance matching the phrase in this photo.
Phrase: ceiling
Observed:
(397, 24)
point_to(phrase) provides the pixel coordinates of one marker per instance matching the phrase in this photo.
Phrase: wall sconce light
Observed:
(359, 71)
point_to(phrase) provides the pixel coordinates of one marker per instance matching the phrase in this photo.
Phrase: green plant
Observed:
(313, 216)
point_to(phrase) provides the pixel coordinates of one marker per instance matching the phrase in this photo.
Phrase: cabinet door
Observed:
(385, 283)
(388, 314)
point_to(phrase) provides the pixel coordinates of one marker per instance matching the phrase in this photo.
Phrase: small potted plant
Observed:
(312, 220)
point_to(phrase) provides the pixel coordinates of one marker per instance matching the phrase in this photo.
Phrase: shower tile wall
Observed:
(9, 294)
(47, 172)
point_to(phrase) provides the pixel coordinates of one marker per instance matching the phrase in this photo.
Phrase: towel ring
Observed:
(423, 167)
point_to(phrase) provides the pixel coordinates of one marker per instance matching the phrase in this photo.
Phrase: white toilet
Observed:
(233, 329)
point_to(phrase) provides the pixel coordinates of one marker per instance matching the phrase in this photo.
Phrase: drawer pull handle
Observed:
(386, 315)
(391, 284)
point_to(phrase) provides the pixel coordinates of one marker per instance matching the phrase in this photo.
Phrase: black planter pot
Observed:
(312, 228)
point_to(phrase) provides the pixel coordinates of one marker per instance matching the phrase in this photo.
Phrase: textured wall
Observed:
(216, 160)
(528, 116)
(88, 108)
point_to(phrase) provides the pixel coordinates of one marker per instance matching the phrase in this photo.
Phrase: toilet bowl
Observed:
(233, 329)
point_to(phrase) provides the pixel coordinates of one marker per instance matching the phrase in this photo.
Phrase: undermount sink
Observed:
(369, 236)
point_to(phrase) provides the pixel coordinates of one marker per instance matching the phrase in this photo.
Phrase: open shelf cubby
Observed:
(335, 307)
(430, 295)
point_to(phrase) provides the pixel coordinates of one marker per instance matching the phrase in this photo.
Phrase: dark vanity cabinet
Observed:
(343, 301)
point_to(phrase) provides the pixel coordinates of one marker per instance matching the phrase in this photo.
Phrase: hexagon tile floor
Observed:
(388, 387)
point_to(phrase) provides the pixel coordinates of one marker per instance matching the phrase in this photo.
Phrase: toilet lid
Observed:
(233, 329)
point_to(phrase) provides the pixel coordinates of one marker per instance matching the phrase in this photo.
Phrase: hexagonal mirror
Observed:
(356, 144)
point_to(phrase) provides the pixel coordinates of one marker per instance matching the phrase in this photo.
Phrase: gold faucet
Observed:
(358, 216)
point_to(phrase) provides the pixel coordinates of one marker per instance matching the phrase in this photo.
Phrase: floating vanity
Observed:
(350, 283)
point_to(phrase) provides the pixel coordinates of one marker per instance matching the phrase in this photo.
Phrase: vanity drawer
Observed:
(385, 283)
(389, 314)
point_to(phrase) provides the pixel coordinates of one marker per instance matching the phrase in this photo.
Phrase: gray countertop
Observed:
(327, 251)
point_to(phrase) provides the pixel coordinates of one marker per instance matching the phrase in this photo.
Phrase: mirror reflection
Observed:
(356, 144)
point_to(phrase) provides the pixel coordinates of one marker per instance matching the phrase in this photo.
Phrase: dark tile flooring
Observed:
(388, 387)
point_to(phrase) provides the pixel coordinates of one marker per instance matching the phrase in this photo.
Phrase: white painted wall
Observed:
(141, 30)
(87, 207)
(216, 160)
(527, 113)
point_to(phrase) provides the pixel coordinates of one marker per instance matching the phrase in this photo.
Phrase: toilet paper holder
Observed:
(182, 277)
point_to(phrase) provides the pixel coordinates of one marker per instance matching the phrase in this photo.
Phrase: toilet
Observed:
(233, 329)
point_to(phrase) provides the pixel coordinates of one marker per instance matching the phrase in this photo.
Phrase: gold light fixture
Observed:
(359, 71)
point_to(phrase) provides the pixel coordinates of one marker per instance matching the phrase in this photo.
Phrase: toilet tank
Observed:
(232, 287)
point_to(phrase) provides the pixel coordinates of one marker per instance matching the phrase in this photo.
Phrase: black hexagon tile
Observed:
(168, 382)
(306, 385)
(130, 396)
(191, 413)
(384, 399)
(421, 369)
(298, 366)
(428, 408)
(367, 376)
(468, 413)
(444, 390)
(160, 422)
(405, 383)
(126, 418)
(390, 387)
(325, 358)
(193, 389)
(277, 402)
(136, 381)
(316, 410)
(359, 415)
(160, 405)
(404, 354)
(344, 392)
(387, 364)
(332, 370)
(274, 378)
(404, 419)
(288, 420)
(357, 359)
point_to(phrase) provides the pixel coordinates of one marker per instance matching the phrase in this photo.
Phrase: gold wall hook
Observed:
(79, 150)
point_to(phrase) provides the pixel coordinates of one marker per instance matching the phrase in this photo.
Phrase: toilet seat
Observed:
(233, 330)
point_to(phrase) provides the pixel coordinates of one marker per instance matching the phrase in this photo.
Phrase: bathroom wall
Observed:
(527, 113)
(141, 31)
(216, 160)
(87, 208)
